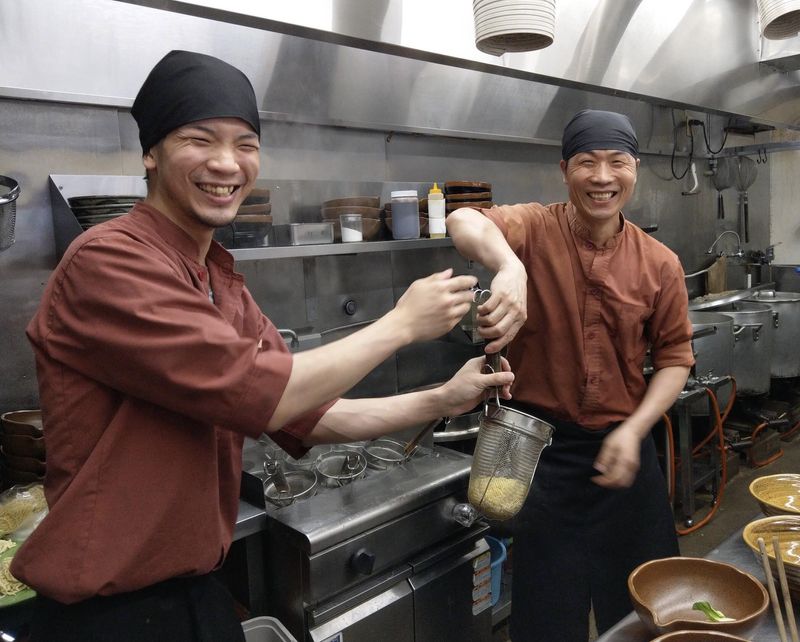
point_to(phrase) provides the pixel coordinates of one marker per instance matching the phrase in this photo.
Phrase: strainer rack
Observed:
(9, 192)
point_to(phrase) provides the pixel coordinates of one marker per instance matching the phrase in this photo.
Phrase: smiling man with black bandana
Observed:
(148, 384)
(579, 296)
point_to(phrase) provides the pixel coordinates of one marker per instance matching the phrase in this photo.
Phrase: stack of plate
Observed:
(91, 210)
(475, 194)
(787, 529)
(777, 494)
(22, 446)
(779, 19)
(503, 26)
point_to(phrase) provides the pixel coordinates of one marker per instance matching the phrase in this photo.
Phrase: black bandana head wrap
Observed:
(185, 87)
(591, 130)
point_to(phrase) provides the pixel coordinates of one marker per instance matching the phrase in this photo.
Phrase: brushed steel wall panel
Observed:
(107, 48)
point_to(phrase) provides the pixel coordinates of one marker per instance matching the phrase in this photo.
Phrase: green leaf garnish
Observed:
(711, 613)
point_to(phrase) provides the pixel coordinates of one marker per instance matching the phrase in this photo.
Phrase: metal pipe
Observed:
(738, 252)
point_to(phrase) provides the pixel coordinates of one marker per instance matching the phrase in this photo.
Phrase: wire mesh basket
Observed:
(9, 192)
(506, 455)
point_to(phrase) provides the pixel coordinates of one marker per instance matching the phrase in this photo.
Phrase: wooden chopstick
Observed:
(787, 598)
(776, 607)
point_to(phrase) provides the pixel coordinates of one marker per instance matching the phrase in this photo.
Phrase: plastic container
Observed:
(436, 213)
(351, 228)
(498, 556)
(266, 629)
(405, 214)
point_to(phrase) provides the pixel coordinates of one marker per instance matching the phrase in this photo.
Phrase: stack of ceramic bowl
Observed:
(22, 447)
(503, 26)
(779, 19)
(369, 207)
(787, 529)
(474, 194)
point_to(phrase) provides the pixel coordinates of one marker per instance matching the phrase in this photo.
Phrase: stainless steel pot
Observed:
(786, 323)
(753, 333)
(713, 345)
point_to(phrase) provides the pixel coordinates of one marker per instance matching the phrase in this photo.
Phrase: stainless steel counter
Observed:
(251, 520)
(733, 551)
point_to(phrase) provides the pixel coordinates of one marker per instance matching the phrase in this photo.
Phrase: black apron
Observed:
(192, 609)
(575, 543)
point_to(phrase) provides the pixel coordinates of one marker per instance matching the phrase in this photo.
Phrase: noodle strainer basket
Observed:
(9, 192)
(507, 452)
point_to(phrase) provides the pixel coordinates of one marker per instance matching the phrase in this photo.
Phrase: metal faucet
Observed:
(738, 252)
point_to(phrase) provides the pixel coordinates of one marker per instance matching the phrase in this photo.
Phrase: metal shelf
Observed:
(333, 249)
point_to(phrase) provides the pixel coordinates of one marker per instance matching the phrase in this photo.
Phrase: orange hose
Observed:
(758, 464)
(785, 436)
(670, 463)
(723, 418)
(723, 466)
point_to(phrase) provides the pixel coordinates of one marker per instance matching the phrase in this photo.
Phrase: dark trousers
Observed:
(195, 609)
(575, 543)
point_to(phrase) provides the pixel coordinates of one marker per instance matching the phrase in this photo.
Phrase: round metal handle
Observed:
(465, 514)
(363, 561)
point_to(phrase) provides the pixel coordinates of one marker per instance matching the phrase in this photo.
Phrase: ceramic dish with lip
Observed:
(664, 590)
(22, 422)
(699, 636)
(777, 494)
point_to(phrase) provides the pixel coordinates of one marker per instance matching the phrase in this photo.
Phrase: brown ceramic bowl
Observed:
(787, 529)
(22, 476)
(357, 201)
(663, 592)
(22, 422)
(258, 195)
(23, 464)
(699, 636)
(261, 209)
(333, 213)
(23, 445)
(777, 494)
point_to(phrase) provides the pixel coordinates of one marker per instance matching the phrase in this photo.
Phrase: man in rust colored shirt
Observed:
(154, 363)
(579, 295)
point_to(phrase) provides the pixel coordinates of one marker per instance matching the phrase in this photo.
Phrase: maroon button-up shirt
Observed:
(147, 390)
(592, 313)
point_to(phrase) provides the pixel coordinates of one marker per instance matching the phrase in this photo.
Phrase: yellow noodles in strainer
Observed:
(21, 506)
(9, 585)
(497, 497)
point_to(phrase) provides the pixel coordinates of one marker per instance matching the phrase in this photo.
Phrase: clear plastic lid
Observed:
(405, 193)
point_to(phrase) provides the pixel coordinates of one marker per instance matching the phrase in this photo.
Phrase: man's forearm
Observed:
(329, 371)
(361, 419)
(664, 388)
(478, 239)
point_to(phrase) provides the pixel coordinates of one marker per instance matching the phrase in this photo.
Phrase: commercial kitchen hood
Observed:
(700, 54)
